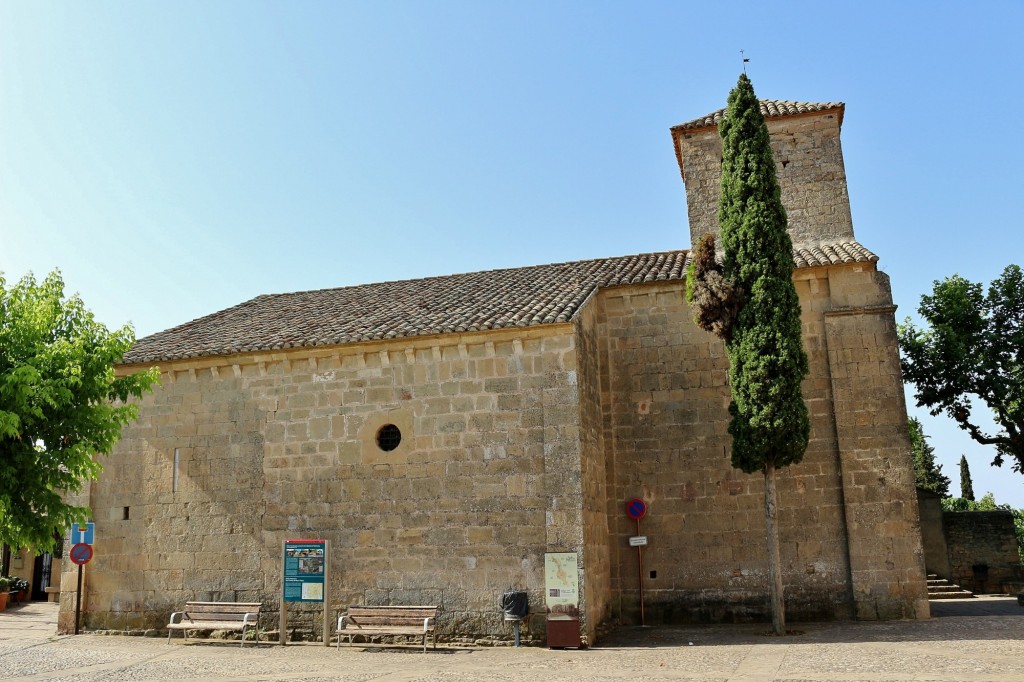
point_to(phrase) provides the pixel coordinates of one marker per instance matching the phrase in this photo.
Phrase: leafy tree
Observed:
(61, 404)
(971, 346)
(966, 485)
(770, 426)
(986, 503)
(927, 473)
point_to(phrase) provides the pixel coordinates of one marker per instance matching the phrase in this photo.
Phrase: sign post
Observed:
(306, 578)
(637, 509)
(82, 535)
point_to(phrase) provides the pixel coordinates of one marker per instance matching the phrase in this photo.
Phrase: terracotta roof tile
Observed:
(770, 108)
(832, 254)
(495, 299)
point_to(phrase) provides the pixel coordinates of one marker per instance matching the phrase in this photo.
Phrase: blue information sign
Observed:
(83, 533)
(304, 562)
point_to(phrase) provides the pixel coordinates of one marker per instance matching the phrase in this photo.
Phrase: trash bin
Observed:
(515, 605)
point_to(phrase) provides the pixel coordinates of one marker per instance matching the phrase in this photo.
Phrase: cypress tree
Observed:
(927, 474)
(966, 485)
(770, 426)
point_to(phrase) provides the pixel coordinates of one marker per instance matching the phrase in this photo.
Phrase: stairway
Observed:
(940, 588)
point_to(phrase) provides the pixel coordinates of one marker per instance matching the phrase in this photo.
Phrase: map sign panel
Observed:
(304, 570)
(561, 580)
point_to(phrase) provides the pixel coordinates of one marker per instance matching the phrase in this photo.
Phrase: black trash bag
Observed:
(516, 604)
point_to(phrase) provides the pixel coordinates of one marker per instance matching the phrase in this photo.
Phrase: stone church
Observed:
(445, 434)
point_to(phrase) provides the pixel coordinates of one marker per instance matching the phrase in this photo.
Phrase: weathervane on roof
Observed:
(745, 59)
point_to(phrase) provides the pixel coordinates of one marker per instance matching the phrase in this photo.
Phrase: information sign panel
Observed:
(562, 580)
(304, 570)
(83, 533)
(638, 541)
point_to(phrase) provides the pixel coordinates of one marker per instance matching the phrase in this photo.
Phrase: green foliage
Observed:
(714, 300)
(770, 424)
(927, 473)
(971, 346)
(986, 503)
(966, 484)
(61, 405)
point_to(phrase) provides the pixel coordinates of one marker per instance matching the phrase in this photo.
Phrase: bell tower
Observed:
(808, 161)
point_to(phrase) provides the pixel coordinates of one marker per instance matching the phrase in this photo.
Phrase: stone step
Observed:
(940, 588)
(962, 594)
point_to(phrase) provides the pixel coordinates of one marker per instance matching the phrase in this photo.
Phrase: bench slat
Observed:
(209, 625)
(393, 613)
(386, 620)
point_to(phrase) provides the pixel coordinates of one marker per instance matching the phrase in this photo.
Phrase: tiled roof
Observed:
(518, 297)
(832, 254)
(495, 299)
(770, 108)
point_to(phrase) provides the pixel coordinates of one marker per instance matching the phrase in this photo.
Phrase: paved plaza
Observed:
(970, 640)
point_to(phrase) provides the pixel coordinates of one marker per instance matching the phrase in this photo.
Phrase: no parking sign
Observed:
(636, 508)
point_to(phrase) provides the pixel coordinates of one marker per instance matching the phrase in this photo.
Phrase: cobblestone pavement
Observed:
(952, 647)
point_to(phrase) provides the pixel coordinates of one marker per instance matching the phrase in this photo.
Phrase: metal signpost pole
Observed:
(283, 625)
(78, 599)
(327, 592)
(80, 554)
(636, 509)
(640, 564)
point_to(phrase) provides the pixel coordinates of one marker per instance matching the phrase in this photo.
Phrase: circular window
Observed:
(388, 437)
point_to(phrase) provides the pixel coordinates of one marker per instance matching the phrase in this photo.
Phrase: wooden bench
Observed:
(388, 620)
(215, 615)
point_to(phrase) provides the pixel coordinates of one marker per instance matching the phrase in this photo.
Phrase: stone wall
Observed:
(667, 415)
(933, 538)
(596, 575)
(279, 446)
(809, 164)
(850, 545)
(881, 515)
(983, 539)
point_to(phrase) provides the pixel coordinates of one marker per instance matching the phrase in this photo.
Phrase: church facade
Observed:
(445, 434)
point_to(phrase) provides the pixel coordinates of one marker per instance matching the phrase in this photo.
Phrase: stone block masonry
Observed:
(276, 446)
(983, 555)
(809, 165)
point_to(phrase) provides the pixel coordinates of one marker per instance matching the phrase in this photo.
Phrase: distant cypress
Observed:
(927, 474)
(966, 485)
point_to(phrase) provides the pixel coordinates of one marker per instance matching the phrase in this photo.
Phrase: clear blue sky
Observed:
(177, 158)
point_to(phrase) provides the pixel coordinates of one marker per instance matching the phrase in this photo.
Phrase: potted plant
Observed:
(21, 586)
(5, 584)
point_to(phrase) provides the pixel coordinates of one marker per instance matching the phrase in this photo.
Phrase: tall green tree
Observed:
(61, 405)
(770, 426)
(927, 473)
(971, 348)
(966, 484)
